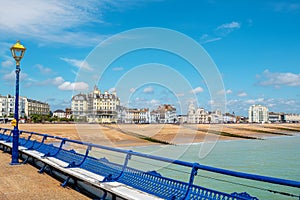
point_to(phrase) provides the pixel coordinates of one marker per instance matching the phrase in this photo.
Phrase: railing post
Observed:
(191, 181)
(11, 133)
(127, 158)
(29, 137)
(73, 164)
(63, 141)
(42, 142)
(3, 134)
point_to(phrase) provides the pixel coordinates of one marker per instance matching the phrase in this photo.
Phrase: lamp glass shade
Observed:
(17, 51)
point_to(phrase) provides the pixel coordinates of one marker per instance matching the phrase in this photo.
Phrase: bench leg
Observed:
(104, 195)
(64, 184)
(26, 160)
(42, 169)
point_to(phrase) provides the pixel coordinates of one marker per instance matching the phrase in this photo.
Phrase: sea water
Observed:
(277, 157)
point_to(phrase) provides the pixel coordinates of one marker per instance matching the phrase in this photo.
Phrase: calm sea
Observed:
(277, 157)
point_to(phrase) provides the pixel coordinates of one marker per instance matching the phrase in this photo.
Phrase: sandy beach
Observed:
(126, 135)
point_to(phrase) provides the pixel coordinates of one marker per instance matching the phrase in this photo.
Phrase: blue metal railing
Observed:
(154, 183)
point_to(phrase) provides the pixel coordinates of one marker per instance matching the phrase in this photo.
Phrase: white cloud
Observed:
(212, 40)
(132, 90)
(12, 76)
(241, 107)
(57, 21)
(53, 81)
(179, 94)
(225, 92)
(7, 64)
(211, 102)
(242, 94)
(81, 64)
(205, 38)
(78, 86)
(255, 101)
(220, 32)
(154, 102)
(232, 25)
(228, 91)
(148, 90)
(197, 90)
(50, 20)
(44, 70)
(57, 81)
(227, 28)
(118, 69)
(111, 90)
(279, 79)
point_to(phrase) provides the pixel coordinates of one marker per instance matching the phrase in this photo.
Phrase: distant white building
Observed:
(292, 118)
(229, 118)
(154, 117)
(191, 115)
(135, 116)
(59, 114)
(95, 107)
(215, 117)
(197, 115)
(164, 114)
(27, 107)
(276, 117)
(182, 119)
(258, 114)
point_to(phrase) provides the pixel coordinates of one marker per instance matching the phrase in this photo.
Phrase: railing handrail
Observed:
(279, 181)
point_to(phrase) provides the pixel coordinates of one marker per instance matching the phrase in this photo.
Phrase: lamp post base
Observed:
(15, 163)
(15, 147)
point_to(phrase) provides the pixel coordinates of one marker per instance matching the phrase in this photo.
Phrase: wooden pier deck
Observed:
(24, 182)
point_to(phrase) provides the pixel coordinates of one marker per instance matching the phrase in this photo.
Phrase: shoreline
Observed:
(219, 141)
(132, 135)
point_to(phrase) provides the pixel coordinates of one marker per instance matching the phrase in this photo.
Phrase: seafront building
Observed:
(133, 115)
(95, 107)
(197, 115)
(276, 117)
(36, 107)
(201, 116)
(27, 107)
(229, 118)
(182, 119)
(258, 114)
(59, 114)
(292, 118)
(164, 114)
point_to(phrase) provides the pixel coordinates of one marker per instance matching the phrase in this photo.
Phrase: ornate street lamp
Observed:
(17, 51)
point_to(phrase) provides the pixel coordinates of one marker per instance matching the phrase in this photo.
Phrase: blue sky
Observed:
(254, 44)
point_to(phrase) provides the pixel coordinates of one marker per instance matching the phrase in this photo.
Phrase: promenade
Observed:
(24, 182)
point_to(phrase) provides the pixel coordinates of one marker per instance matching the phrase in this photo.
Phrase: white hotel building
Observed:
(96, 107)
(258, 114)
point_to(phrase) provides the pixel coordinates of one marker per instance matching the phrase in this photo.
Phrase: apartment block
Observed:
(27, 106)
(258, 114)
